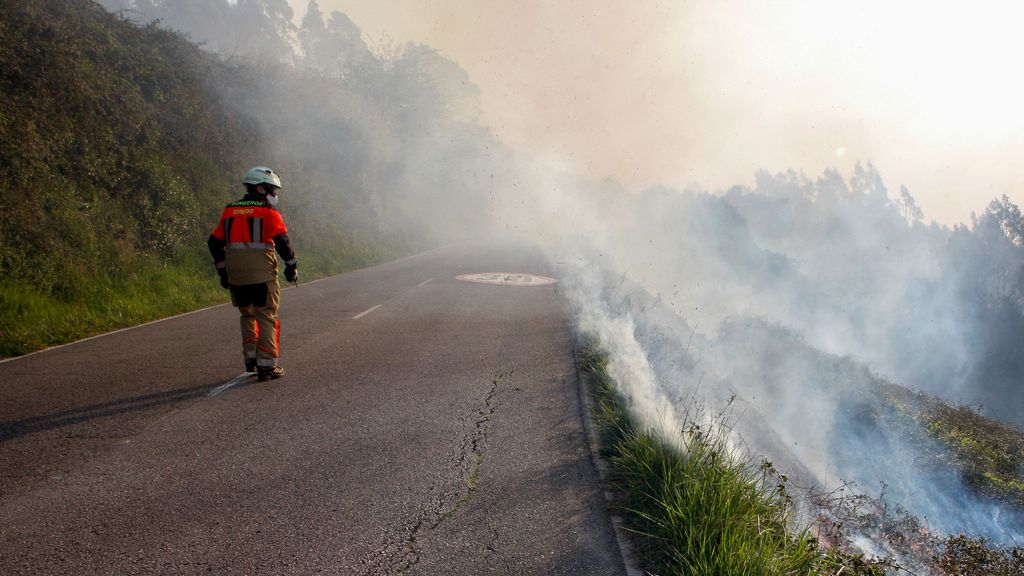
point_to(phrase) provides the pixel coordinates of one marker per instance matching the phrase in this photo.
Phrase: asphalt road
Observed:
(425, 425)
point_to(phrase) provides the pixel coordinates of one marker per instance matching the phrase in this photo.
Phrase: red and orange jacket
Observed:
(245, 238)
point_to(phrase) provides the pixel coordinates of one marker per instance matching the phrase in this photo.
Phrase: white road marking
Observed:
(424, 283)
(361, 314)
(507, 278)
(233, 382)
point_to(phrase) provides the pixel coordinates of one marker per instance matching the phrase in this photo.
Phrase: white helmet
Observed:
(262, 175)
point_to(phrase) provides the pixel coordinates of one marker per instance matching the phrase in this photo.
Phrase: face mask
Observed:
(272, 200)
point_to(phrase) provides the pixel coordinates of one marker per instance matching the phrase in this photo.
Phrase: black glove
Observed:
(223, 277)
(291, 273)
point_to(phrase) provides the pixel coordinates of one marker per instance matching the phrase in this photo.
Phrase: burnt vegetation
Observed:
(694, 506)
(878, 348)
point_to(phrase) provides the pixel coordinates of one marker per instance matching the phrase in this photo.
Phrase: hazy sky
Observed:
(706, 92)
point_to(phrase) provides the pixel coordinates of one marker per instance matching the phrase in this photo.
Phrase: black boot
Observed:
(250, 364)
(266, 373)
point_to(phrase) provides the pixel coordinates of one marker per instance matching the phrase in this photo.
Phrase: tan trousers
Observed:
(261, 329)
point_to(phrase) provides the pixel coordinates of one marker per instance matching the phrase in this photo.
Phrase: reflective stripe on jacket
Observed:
(244, 240)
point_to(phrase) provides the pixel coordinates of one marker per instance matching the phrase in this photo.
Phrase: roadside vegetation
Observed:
(121, 140)
(697, 508)
(701, 509)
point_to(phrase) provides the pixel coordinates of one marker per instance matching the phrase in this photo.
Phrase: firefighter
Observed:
(242, 246)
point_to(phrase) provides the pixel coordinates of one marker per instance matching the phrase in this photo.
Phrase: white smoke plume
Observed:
(801, 302)
(794, 301)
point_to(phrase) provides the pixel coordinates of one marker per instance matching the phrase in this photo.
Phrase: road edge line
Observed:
(111, 333)
(230, 384)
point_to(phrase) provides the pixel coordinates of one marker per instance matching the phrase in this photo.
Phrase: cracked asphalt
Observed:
(439, 433)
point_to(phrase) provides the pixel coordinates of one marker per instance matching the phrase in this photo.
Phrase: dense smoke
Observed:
(382, 136)
(795, 302)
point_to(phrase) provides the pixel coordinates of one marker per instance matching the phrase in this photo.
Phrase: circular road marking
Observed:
(507, 279)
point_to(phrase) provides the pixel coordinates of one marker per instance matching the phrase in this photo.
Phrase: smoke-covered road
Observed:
(425, 425)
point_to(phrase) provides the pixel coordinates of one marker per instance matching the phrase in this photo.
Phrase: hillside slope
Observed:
(114, 149)
(120, 142)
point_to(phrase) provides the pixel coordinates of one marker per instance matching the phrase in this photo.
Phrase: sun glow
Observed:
(928, 91)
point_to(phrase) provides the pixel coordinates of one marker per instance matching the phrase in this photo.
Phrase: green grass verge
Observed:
(145, 290)
(31, 319)
(700, 510)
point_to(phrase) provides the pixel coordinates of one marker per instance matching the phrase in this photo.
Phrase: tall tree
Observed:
(334, 47)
